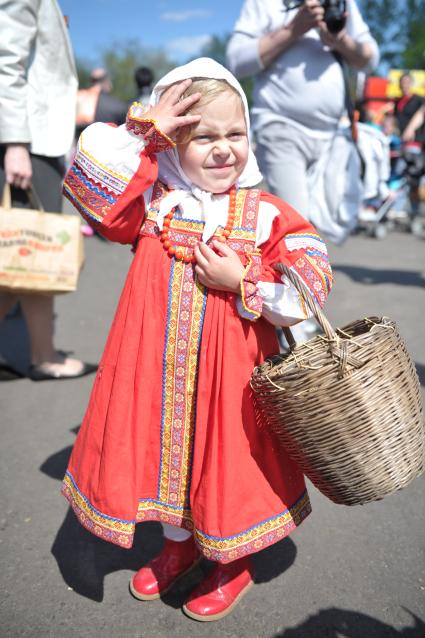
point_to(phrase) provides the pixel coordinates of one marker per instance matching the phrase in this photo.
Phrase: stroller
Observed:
(391, 177)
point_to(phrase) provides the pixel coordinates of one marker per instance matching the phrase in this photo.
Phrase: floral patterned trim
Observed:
(314, 277)
(156, 140)
(92, 188)
(258, 537)
(320, 261)
(229, 548)
(252, 301)
(155, 510)
(185, 316)
(115, 530)
(92, 202)
(250, 212)
(221, 549)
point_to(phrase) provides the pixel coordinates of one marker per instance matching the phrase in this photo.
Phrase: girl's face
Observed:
(217, 151)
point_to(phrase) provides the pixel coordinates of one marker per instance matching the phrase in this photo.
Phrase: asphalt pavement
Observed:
(354, 572)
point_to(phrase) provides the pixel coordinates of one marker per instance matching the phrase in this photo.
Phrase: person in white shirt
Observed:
(299, 89)
(38, 88)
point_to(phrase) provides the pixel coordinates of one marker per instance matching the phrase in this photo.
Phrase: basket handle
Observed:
(337, 345)
(310, 302)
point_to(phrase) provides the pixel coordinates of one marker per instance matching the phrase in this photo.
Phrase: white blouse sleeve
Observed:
(242, 53)
(359, 31)
(110, 150)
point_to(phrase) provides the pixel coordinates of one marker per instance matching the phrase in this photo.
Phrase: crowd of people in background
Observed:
(391, 142)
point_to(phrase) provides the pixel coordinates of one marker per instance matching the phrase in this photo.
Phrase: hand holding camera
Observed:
(310, 16)
(314, 12)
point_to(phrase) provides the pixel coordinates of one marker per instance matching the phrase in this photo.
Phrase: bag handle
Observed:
(33, 198)
(6, 199)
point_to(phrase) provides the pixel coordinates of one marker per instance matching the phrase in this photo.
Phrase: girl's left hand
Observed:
(222, 271)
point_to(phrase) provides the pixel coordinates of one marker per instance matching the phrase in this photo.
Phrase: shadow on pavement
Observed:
(343, 623)
(14, 341)
(84, 560)
(420, 369)
(376, 276)
(55, 465)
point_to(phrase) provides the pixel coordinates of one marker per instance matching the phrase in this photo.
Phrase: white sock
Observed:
(176, 534)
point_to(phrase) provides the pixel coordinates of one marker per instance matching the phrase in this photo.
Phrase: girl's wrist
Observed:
(140, 122)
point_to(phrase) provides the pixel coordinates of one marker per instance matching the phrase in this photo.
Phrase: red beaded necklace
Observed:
(184, 254)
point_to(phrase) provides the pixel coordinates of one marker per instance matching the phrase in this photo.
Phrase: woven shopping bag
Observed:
(346, 406)
(39, 252)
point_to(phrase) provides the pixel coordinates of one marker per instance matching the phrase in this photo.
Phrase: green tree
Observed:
(399, 28)
(121, 60)
(216, 49)
(83, 69)
(414, 52)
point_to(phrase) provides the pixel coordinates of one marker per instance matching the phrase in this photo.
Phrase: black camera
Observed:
(334, 12)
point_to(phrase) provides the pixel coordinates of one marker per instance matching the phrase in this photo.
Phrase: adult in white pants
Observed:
(299, 93)
(299, 90)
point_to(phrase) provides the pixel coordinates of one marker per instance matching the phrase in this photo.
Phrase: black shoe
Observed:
(36, 373)
(7, 373)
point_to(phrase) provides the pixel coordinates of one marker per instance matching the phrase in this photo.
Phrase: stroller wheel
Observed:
(417, 227)
(380, 231)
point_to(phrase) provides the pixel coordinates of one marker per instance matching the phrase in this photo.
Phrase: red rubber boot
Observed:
(221, 591)
(157, 577)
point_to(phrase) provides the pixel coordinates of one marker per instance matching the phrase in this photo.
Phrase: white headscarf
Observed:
(170, 172)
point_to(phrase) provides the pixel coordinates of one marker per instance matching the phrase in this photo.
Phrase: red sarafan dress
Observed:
(170, 433)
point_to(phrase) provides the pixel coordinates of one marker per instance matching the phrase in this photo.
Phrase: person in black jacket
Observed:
(407, 106)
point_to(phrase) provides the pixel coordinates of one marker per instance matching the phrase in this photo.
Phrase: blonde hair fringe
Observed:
(209, 88)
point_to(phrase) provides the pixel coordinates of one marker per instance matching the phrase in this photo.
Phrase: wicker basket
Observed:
(346, 406)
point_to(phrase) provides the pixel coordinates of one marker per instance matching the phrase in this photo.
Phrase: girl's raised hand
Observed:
(222, 271)
(168, 111)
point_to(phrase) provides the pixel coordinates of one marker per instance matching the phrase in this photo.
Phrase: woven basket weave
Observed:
(346, 406)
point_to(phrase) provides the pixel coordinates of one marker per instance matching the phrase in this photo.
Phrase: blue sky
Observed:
(181, 27)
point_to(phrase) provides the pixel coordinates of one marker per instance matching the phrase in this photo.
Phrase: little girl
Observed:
(170, 433)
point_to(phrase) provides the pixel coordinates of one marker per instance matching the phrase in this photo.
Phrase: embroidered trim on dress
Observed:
(155, 510)
(313, 266)
(92, 187)
(260, 536)
(115, 530)
(156, 140)
(252, 301)
(186, 308)
(314, 278)
(221, 549)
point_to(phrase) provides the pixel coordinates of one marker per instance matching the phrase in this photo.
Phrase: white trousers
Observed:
(285, 156)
